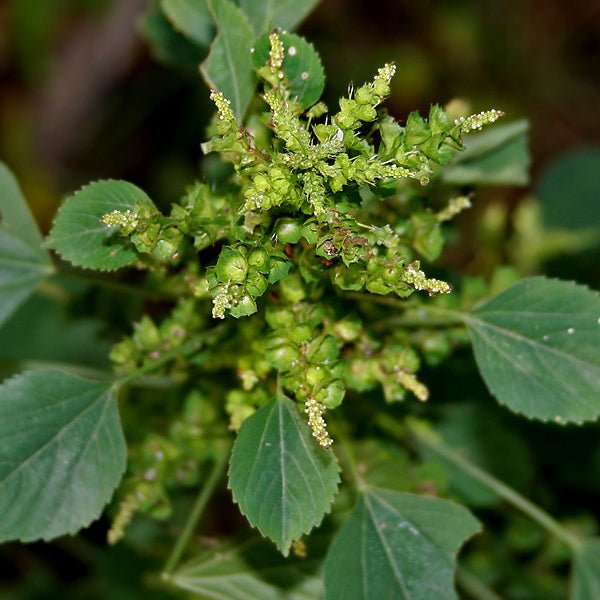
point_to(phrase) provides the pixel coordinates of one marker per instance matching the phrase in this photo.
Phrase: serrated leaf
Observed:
(398, 546)
(302, 67)
(79, 235)
(537, 346)
(251, 570)
(498, 156)
(228, 67)
(585, 578)
(281, 479)
(267, 14)
(62, 454)
(192, 18)
(23, 262)
(168, 45)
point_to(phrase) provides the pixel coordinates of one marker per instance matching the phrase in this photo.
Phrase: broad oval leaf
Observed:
(23, 262)
(62, 454)
(537, 346)
(585, 578)
(302, 67)
(79, 235)
(192, 18)
(397, 546)
(281, 479)
(499, 156)
(228, 67)
(267, 14)
(252, 570)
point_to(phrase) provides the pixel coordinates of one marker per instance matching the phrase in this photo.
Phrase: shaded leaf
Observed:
(251, 570)
(267, 14)
(23, 262)
(497, 156)
(62, 454)
(192, 18)
(585, 578)
(79, 235)
(281, 479)
(537, 346)
(228, 67)
(397, 546)
(302, 67)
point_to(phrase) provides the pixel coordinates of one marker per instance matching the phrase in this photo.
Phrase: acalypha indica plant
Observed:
(295, 300)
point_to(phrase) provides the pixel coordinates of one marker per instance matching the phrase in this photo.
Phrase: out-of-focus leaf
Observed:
(228, 67)
(62, 454)
(497, 156)
(585, 578)
(267, 14)
(537, 346)
(302, 67)
(251, 570)
(399, 546)
(192, 18)
(281, 479)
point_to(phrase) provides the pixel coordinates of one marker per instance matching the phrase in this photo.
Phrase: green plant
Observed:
(285, 300)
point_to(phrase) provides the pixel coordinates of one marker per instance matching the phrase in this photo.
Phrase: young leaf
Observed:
(23, 262)
(397, 545)
(63, 454)
(537, 346)
(282, 480)
(302, 67)
(498, 156)
(228, 67)
(192, 18)
(585, 578)
(251, 570)
(268, 14)
(79, 235)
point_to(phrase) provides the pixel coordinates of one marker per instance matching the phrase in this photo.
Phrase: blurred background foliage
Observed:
(83, 96)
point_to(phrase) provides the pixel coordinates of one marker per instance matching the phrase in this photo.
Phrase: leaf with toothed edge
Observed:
(397, 546)
(537, 346)
(281, 479)
(82, 239)
(62, 454)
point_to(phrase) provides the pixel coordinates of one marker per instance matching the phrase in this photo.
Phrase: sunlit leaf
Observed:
(62, 454)
(397, 546)
(281, 479)
(537, 346)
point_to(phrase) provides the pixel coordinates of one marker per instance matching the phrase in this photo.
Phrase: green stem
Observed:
(214, 477)
(433, 442)
(474, 586)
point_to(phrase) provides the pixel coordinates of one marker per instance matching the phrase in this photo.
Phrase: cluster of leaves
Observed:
(313, 245)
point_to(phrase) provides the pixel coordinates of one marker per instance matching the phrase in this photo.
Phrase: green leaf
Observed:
(228, 67)
(79, 235)
(537, 346)
(585, 578)
(268, 14)
(192, 18)
(397, 545)
(63, 454)
(23, 262)
(281, 479)
(302, 67)
(498, 156)
(251, 570)
(167, 45)
(569, 189)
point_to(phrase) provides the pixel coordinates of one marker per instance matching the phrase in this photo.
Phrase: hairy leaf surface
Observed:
(228, 67)
(62, 454)
(282, 480)
(537, 346)
(79, 235)
(397, 546)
